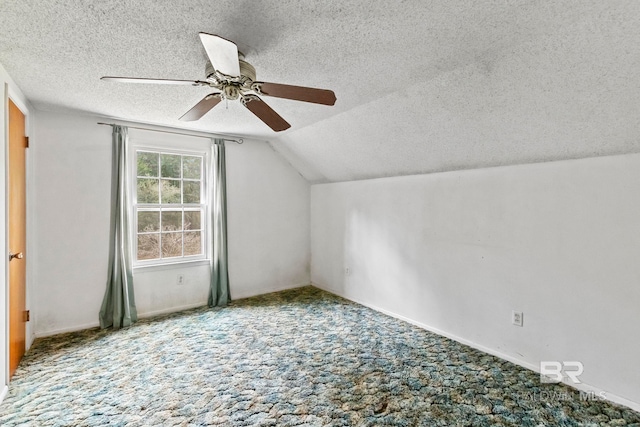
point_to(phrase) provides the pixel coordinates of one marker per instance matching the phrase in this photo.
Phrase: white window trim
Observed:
(177, 144)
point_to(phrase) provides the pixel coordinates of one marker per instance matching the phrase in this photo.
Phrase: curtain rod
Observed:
(237, 141)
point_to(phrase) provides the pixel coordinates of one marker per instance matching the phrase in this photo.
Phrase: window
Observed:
(169, 206)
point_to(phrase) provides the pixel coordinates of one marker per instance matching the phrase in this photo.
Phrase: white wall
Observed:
(9, 89)
(268, 221)
(268, 226)
(457, 252)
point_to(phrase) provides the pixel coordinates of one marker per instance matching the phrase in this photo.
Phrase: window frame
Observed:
(177, 147)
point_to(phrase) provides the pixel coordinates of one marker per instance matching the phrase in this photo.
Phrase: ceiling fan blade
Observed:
(298, 93)
(265, 113)
(202, 107)
(222, 53)
(153, 81)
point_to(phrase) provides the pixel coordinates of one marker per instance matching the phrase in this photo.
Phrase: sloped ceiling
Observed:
(421, 86)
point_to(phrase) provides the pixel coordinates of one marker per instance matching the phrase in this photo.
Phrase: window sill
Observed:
(170, 265)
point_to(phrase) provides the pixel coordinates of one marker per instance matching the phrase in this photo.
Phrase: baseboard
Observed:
(580, 387)
(65, 330)
(3, 393)
(143, 315)
(97, 324)
(170, 310)
(268, 290)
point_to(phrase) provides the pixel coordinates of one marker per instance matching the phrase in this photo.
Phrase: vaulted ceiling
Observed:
(422, 86)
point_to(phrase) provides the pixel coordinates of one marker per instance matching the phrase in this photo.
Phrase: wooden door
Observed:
(17, 237)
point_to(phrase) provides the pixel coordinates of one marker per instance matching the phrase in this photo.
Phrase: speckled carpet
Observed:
(293, 358)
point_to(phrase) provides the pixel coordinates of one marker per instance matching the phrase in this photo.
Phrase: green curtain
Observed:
(219, 290)
(118, 306)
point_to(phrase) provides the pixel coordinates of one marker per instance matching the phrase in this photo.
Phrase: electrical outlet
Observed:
(517, 318)
(347, 271)
(180, 281)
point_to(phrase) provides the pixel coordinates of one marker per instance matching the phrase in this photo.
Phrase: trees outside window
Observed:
(169, 206)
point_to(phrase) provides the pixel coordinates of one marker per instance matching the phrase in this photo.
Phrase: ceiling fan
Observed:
(234, 78)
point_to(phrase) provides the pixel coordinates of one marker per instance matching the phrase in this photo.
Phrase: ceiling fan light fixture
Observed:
(231, 92)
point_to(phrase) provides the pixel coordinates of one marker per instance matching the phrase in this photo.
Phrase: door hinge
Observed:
(26, 142)
(26, 315)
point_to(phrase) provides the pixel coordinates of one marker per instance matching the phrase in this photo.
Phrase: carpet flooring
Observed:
(296, 358)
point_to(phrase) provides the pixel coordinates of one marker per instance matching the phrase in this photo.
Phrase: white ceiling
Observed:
(421, 86)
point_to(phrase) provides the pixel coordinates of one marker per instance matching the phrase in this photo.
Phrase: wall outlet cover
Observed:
(517, 318)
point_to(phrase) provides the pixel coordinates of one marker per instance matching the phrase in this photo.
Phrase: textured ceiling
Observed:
(421, 86)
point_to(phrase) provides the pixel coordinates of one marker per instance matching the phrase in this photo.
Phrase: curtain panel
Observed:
(219, 290)
(118, 306)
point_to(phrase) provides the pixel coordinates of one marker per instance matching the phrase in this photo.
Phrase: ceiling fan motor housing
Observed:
(247, 72)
